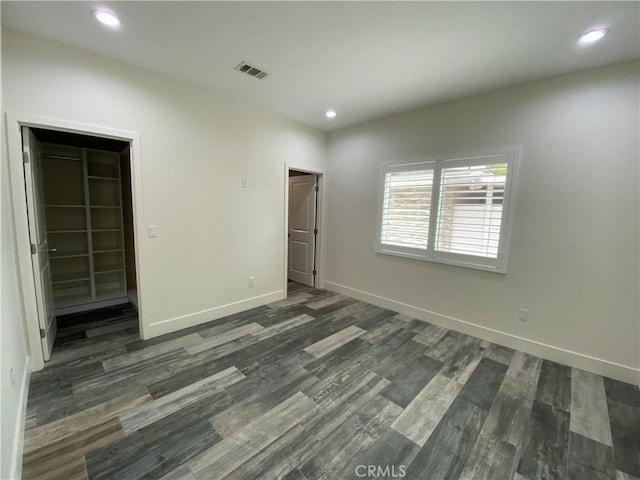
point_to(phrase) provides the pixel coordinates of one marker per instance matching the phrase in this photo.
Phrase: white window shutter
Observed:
(470, 210)
(406, 208)
(455, 210)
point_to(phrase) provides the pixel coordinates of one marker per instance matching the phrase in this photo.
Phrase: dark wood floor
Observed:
(318, 386)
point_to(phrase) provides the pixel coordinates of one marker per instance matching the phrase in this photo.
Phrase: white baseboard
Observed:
(184, 321)
(567, 357)
(21, 415)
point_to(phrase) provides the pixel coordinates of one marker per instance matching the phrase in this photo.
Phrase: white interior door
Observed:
(39, 243)
(302, 223)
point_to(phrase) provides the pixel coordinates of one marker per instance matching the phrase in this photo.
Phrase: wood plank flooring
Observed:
(318, 386)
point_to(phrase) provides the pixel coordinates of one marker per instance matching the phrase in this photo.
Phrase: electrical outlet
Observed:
(252, 281)
(152, 231)
(523, 315)
(245, 183)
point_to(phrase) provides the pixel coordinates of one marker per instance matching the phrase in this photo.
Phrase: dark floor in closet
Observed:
(81, 325)
(318, 386)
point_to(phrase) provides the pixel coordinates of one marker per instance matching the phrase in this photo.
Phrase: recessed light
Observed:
(107, 18)
(330, 114)
(592, 36)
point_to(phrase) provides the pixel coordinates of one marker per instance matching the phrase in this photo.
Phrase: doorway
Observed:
(74, 191)
(302, 230)
(80, 224)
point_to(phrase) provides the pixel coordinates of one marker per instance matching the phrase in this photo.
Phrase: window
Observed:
(454, 211)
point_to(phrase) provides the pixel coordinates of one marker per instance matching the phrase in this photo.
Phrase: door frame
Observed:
(14, 124)
(320, 222)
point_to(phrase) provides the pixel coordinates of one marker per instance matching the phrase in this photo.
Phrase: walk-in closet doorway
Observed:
(74, 194)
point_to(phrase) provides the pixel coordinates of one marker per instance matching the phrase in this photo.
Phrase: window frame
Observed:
(510, 156)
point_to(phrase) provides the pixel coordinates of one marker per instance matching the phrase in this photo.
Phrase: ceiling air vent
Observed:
(252, 70)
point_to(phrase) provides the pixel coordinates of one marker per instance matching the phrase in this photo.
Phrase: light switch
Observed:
(245, 183)
(152, 231)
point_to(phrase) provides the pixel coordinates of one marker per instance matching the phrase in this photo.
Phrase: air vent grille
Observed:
(252, 70)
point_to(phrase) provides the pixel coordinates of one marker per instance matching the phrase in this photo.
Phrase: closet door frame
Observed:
(15, 122)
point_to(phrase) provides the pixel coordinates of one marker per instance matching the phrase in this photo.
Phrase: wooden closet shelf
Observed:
(68, 301)
(70, 277)
(65, 206)
(109, 269)
(57, 255)
(112, 293)
(62, 157)
(98, 177)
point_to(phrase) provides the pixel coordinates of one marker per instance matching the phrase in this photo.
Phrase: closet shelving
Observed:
(83, 212)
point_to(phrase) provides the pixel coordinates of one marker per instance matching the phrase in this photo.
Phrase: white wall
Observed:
(12, 337)
(13, 346)
(196, 148)
(574, 251)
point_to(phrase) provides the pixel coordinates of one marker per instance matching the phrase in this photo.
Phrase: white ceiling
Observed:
(364, 59)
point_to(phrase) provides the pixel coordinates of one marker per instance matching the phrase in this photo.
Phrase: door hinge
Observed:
(317, 188)
(34, 249)
(314, 273)
(315, 231)
(25, 157)
(43, 334)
